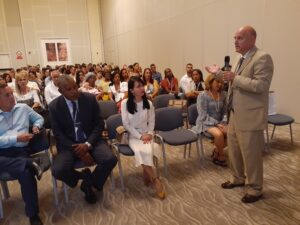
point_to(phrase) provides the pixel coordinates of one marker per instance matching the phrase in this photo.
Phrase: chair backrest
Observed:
(168, 118)
(162, 101)
(112, 123)
(192, 114)
(107, 108)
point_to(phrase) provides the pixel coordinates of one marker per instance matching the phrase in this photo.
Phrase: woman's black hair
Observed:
(131, 104)
(200, 73)
(112, 77)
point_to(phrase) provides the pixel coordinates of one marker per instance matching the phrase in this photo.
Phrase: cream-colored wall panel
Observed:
(37, 2)
(59, 26)
(58, 7)
(27, 10)
(78, 31)
(16, 44)
(41, 18)
(76, 10)
(29, 34)
(108, 18)
(148, 53)
(285, 36)
(127, 53)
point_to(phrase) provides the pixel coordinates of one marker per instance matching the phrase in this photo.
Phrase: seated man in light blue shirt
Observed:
(15, 120)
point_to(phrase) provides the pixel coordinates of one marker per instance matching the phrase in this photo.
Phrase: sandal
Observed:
(214, 154)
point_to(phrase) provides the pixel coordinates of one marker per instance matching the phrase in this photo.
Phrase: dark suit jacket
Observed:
(63, 126)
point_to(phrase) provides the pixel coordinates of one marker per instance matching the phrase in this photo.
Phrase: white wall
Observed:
(25, 22)
(172, 33)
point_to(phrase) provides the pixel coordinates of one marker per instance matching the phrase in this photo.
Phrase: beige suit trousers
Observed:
(245, 150)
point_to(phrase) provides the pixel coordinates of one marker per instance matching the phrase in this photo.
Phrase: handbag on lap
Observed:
(122, 136)
(179, 103)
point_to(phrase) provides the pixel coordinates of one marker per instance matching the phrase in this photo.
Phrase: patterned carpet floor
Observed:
(194, 194)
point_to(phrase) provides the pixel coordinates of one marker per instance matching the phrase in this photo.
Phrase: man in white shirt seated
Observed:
(51, 90)
(186, 79)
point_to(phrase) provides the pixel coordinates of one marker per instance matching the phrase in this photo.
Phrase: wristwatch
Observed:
(88, 144)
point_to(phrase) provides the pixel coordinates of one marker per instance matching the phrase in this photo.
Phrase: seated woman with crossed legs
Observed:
(211, 106)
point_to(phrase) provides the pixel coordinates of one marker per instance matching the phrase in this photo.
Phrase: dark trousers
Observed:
(14, 161)
(64, 161)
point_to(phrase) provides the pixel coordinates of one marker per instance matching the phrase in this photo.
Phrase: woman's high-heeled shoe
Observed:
(160, 194)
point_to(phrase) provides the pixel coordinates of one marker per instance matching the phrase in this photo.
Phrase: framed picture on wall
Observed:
(56, 51)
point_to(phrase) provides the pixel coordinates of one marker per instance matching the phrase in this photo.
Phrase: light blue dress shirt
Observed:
(16, 122)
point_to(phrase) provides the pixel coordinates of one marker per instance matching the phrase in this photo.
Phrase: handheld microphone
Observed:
(227, 66)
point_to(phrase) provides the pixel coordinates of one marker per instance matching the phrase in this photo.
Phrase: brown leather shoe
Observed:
(229, 185)
(251, 198)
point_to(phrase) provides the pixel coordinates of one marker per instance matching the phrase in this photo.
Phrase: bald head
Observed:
(245, 39)
(67, 87)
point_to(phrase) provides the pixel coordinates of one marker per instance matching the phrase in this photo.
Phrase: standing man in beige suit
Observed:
(248, 107)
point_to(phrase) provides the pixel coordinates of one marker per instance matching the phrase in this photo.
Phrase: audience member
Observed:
(169, 84)
(186, 79)
(15, 120)
(117, 90)
(155, 74)
(51, 90)
(151, 85)
(138, 119)
(77, 126)
(211, 106)
(90, 87)
(195, 87)
(25, 94)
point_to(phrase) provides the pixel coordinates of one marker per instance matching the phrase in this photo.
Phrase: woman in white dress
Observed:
(138, 118)
(117, 90)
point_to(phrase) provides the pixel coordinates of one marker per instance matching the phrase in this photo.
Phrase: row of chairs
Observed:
(168, 127)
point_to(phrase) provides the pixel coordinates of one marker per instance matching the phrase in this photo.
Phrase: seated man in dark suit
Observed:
(77, 127)
(15, 120)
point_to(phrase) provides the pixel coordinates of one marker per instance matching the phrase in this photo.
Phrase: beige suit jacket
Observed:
(250, 89)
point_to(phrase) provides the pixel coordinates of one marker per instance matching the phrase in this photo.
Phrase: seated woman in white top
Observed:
(25, 94)
(138, 118)
(117, 90)
(151, 85)
(90, 87)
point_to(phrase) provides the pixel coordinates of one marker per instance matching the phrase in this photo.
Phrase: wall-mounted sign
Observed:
(56, 51)
(19, 55)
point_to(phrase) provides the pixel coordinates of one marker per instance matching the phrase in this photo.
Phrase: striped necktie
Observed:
(230, 92)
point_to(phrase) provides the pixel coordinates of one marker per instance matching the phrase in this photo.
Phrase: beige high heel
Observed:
(162, 194)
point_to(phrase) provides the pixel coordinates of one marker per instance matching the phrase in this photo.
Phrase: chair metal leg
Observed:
(273, 131)
(1, 206)
(201, 146)
(164, 158)
(155, 160)
(184, 153)
(291, 133)
(198, 151)
(5, 190)
(190, 148)
(54, 183)
(113, 183)
(121, 171)
(65, 187)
